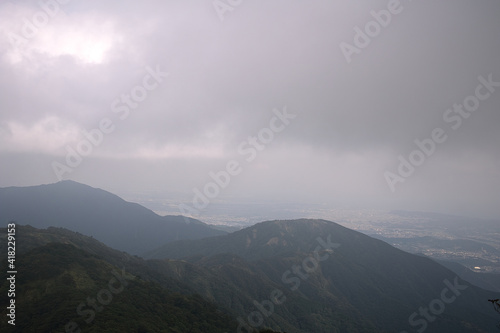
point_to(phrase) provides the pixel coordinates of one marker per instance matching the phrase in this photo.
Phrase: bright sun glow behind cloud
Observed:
(88, 46)
(86, 39)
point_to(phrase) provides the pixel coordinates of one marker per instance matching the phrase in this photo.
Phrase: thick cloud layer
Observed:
(169, 91)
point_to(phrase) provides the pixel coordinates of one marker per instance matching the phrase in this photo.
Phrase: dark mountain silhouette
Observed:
(166, 273)
(366, 279)
(94, 212)
(65, 289)
(287, 276)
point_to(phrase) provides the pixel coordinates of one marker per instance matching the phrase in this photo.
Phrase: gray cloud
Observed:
(225, 78)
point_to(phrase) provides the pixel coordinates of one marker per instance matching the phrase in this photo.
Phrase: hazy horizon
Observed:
(378, 105)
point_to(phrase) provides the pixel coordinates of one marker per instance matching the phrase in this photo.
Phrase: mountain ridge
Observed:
(120, 224)
(363, 275)
(63, 288)
(363, 285)
(303, 275)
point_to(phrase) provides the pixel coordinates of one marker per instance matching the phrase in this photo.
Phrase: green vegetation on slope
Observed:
(60, 288)
(365, 285)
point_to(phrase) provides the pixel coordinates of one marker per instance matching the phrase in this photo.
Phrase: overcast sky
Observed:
(177, 89)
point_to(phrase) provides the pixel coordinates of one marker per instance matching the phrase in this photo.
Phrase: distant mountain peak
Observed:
(95, 212)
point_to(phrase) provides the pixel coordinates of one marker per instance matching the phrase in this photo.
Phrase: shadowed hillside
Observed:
(94, 212)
